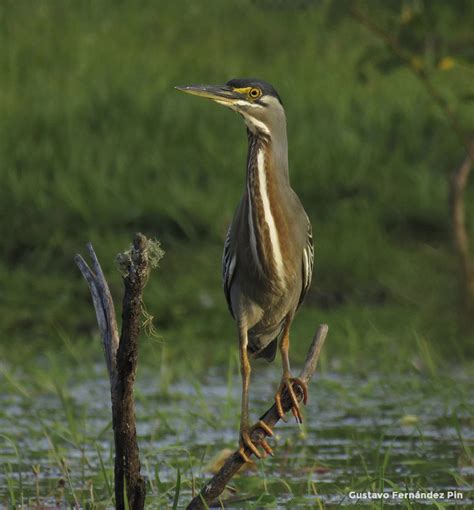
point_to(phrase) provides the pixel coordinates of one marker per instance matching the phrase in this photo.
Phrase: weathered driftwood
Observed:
(211, 491)
(121, 358)
(459, 180)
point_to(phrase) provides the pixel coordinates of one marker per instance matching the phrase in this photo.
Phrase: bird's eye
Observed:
(255, 93)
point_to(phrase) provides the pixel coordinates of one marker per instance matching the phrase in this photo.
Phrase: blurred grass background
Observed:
(95, 144)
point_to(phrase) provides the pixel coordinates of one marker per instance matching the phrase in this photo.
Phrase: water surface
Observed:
(372, 433)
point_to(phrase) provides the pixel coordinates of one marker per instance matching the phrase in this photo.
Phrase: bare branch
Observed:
(218, 483)
(121, 357)
(104, 308)
(127, 455)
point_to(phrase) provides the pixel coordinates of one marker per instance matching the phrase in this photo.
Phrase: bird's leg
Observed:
(245, 441)
(287, 381)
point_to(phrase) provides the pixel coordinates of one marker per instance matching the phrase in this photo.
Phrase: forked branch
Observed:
(121, 356)
(211, 491)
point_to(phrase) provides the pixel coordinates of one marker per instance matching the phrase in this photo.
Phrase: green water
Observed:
(373, 433)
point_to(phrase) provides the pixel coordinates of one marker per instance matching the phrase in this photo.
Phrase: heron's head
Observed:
(256, 100)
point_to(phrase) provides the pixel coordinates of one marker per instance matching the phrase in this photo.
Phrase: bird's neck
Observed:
(275, 148)
(267, 185)
(272, 151)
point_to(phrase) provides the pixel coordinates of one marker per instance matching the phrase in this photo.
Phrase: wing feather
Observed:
(229, 261)
(308, 263)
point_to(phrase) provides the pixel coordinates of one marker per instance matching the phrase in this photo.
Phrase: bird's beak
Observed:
(222, 94)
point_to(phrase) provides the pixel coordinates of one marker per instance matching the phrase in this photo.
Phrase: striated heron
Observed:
(268, 251)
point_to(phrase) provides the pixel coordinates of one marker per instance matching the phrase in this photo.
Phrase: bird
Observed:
(268, 257)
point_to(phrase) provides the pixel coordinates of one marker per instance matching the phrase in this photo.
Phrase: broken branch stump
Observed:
(121, 354)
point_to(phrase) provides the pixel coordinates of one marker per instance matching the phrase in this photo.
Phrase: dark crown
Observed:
(266, 88)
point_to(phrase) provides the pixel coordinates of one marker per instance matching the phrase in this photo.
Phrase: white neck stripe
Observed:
(255, 125)
(274, 240)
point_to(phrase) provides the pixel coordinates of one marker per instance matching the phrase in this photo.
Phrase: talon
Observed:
(303, 386)
(243, 455)
(262, 425)
(246, 441)
(267, 448)
(281, 413)
(279, 407)
(287, 385)
(295, 414)
(266, 430)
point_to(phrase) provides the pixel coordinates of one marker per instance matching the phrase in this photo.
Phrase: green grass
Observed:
(95, 144)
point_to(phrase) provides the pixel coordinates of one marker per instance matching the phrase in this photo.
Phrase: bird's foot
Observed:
(287, 384)
(247, 443)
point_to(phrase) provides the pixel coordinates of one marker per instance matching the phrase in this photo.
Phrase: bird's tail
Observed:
(260, 347)
(268, 353)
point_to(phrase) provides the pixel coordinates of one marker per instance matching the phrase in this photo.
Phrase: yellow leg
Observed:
(245, 442)
(287, 381)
